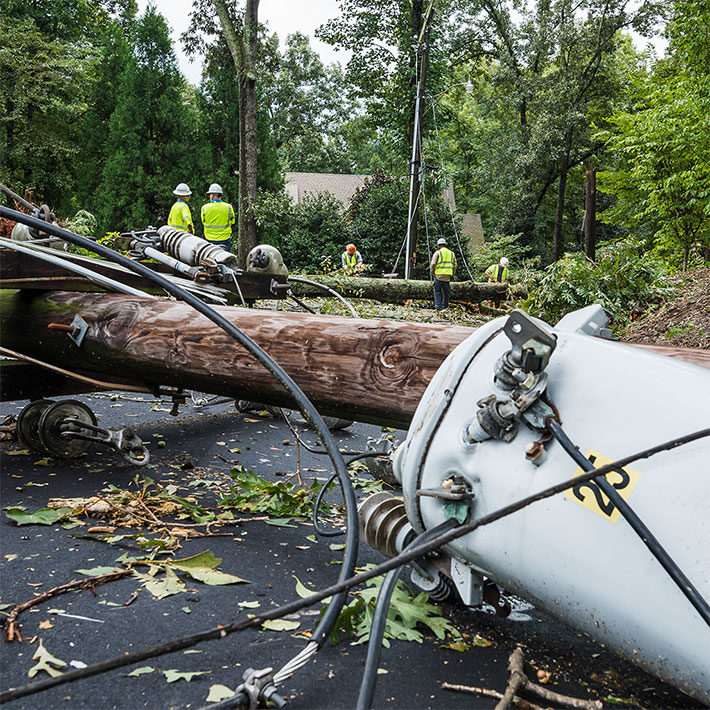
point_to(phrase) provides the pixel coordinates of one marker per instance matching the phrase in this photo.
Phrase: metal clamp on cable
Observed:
(125, 441)
(259, 686)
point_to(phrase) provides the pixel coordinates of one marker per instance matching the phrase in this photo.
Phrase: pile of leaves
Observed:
(253, 494)
(624, 279)
(406, 618)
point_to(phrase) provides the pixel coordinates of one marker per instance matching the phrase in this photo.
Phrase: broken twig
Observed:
(519, 680)
(519, 702)
(11, 630)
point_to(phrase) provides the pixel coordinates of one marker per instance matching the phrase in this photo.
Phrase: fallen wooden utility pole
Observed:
(366, 370)
(399, 290)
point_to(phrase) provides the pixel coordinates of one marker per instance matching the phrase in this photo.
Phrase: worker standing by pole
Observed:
(442, 267)
(498, 273)
(180, 216)
(217, 218)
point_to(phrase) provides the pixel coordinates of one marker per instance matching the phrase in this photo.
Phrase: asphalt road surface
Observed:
(200, 447)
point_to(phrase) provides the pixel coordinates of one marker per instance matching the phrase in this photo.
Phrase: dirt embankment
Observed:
(684, 320)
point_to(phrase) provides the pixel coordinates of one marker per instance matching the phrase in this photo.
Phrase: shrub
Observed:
(624, 280)
(317, 233)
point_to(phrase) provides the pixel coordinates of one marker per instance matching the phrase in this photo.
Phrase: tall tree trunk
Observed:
(242, 47)
(247, 232)
(559, 214)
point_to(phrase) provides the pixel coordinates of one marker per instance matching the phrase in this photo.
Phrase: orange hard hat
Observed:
(351, 248)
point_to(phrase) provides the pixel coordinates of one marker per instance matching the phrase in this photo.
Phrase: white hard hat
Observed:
(441, 241)
(182, 189)
(214, 188)
(504, 261)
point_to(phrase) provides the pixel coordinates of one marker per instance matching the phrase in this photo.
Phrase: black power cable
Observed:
(311, 414)
(420, 550)
(638, 526)
(379, 619)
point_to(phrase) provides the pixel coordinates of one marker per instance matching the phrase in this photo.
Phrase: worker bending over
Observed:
(217, 218)
(498, 273)
(180, 216)
(442, 267)
(351, 259)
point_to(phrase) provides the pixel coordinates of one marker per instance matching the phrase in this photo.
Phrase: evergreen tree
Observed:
(111, 63)
(151, 133)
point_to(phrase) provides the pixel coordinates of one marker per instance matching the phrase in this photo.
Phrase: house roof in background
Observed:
(342, 187)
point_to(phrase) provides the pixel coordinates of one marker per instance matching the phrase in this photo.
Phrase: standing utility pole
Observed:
(416, 165)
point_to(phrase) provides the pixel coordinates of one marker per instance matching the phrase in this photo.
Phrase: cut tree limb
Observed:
(399, 290)
(474, 690)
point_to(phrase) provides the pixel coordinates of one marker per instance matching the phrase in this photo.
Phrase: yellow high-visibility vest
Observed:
(217, 219)
(499, 274)
(180, 217)
(445, 265)
(350, 259)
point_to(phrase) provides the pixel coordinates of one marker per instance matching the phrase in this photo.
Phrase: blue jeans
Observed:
(442, 289)
(224, 243)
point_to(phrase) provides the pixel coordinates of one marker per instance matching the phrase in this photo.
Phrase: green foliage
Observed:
(149, 137)
(406, 616)
(83, 223)
(624, 279)
(43, 84)
(542, 74)
(309, 110)
(377, 218)
(314, 230)
(253, 494)
(661, 180)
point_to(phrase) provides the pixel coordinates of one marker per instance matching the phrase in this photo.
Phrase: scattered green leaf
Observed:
(280, 625)
(45, 662)
(218, 693)
(43, 516)
(172, 675)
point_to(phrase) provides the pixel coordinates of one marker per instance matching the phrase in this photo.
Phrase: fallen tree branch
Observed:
(519, 680)
(516, 681)
(11, 630)
(519, 702)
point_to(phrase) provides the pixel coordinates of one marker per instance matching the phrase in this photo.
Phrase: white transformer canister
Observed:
(193, 250)
(572, 554)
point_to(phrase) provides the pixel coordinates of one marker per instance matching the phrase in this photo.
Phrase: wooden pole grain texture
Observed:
(370, 370)
(366, 370)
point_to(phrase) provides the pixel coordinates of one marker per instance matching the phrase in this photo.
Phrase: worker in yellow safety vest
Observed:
(498, 273)
(180, 216)
(442, 267)
(350, 259)
(217, 218)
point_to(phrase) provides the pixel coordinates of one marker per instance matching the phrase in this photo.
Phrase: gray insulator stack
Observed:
(193, 250)
(383, 523)
(385, 527)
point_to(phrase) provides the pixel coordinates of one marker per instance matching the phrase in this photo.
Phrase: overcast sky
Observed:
(285, 17)
(281, 16)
